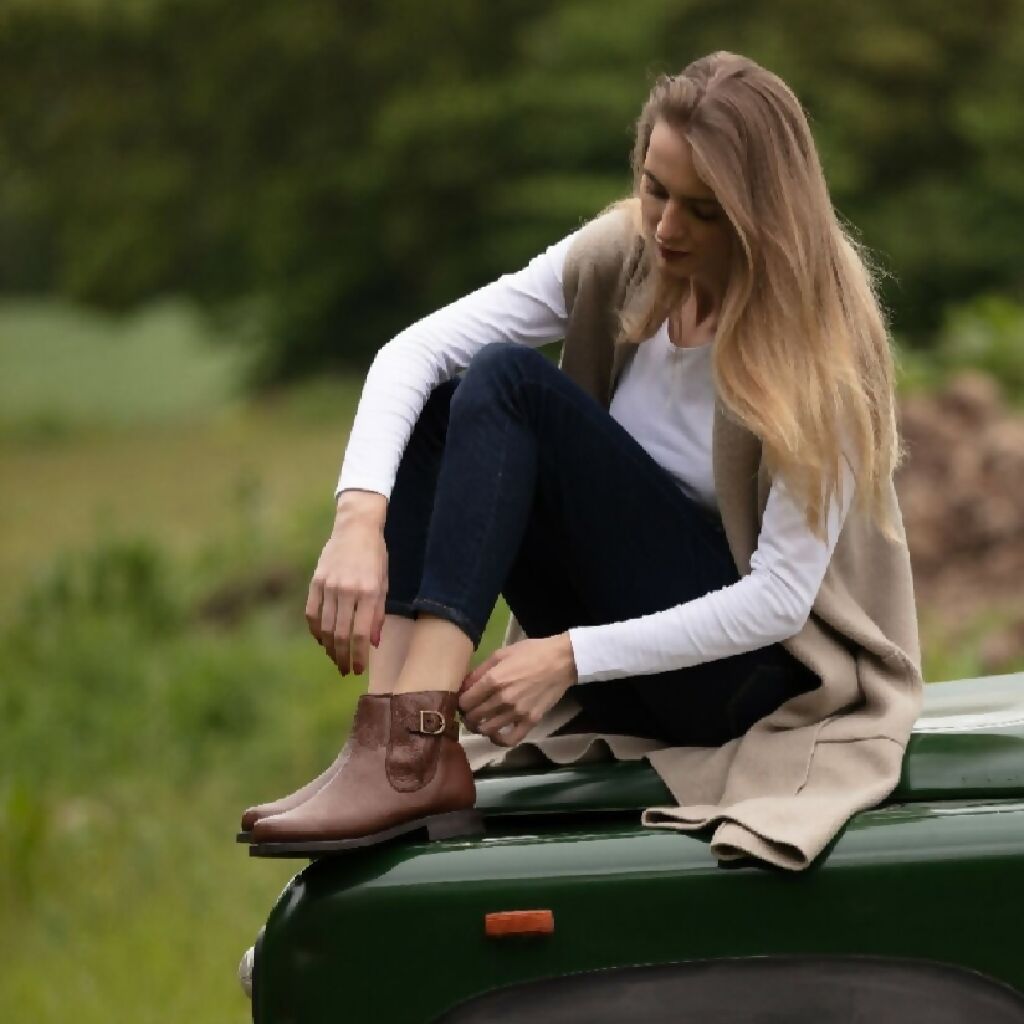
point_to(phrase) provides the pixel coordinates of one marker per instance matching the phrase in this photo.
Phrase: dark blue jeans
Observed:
(517, 482)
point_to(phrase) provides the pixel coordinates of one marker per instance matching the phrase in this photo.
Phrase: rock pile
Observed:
(961, 490)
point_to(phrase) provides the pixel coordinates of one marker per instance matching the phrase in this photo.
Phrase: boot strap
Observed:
(434, 723)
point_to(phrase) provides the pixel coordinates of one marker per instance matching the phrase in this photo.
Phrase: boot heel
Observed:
(454, 824)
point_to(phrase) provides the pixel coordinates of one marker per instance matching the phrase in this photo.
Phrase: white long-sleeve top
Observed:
(665, 399)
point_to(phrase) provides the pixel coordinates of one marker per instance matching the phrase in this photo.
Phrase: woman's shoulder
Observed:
(604, 243)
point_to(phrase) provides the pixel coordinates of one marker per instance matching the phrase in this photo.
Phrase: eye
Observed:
(705, 214)
(655, 190)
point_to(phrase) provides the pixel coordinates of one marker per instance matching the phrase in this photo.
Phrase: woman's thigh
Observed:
(612, 536)
(606, 516)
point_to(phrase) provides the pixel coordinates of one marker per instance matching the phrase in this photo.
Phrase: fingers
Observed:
(343, 631)
(330, 622)
(378, 621)
(505, 696)
(499, 710)
(362, 628)
(380, 611)
(517, 734)
(481, 697)
(314, 601)
(345, 606)
(350, 620)
(476, 687)
(492, 726)
(508, 729)
(328, 615)
(498, 703)
(368, 603)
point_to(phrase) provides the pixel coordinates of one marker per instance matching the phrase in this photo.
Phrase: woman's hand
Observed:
(516, 686)
(345, 606)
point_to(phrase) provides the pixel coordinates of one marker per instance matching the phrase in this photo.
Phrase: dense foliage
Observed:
(354, 165)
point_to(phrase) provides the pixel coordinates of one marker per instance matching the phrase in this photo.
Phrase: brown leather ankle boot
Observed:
(406, 771)
(252, 814)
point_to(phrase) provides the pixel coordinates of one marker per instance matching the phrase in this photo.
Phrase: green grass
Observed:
(62, 366)
(135, 732)
(141, 915)
(242, 473)
(136, 724)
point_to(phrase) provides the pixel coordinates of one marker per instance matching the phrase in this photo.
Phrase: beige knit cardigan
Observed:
(780, 792)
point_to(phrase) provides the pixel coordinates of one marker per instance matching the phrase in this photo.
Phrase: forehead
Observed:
(670, 160)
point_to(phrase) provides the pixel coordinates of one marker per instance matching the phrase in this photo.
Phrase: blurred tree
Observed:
(357, 164)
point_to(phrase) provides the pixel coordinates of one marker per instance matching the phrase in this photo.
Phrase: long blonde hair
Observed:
(802, 355)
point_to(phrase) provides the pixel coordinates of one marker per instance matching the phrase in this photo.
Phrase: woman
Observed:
(692, 517)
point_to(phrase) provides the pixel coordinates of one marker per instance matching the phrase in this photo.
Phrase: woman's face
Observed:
(692, 235)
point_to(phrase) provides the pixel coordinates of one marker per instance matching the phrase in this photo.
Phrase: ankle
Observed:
(438, 657)
(387, 659)
(410, 684)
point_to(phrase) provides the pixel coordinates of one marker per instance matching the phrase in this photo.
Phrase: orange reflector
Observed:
(519, 922)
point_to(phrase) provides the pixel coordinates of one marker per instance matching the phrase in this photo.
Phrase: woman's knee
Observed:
(501, 358)
(500, 366)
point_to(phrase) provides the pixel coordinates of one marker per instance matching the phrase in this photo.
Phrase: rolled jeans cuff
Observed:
(454, 615)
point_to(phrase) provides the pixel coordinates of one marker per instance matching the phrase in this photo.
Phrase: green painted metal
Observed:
(394, 934)
(397, 935)
(974, 758)
(937, 767)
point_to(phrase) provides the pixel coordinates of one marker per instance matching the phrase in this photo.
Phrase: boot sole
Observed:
(453, 825)
(244, 837)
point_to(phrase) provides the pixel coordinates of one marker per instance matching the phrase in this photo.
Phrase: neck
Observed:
(696, 318)
(705, 300)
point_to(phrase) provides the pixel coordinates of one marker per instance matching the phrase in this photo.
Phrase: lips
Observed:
(670, 254)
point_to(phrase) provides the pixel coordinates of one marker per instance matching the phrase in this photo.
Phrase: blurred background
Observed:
(212, 215)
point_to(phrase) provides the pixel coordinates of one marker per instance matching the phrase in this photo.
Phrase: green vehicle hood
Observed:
(968, 743)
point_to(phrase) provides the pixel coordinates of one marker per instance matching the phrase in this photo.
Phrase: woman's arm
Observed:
(766, 606)
(526, 307)
(345, 606)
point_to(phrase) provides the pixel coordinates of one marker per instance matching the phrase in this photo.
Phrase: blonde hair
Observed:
(802, 355)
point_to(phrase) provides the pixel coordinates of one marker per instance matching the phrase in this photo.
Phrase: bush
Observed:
(986, 333)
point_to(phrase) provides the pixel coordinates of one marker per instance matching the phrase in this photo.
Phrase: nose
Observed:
(671, 229)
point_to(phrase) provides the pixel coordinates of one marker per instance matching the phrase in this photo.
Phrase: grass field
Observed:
(142, 494)
(138, 486)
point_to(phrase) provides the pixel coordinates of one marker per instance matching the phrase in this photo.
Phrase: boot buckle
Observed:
(423, 725)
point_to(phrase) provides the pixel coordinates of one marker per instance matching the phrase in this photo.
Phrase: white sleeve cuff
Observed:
(361, 482)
